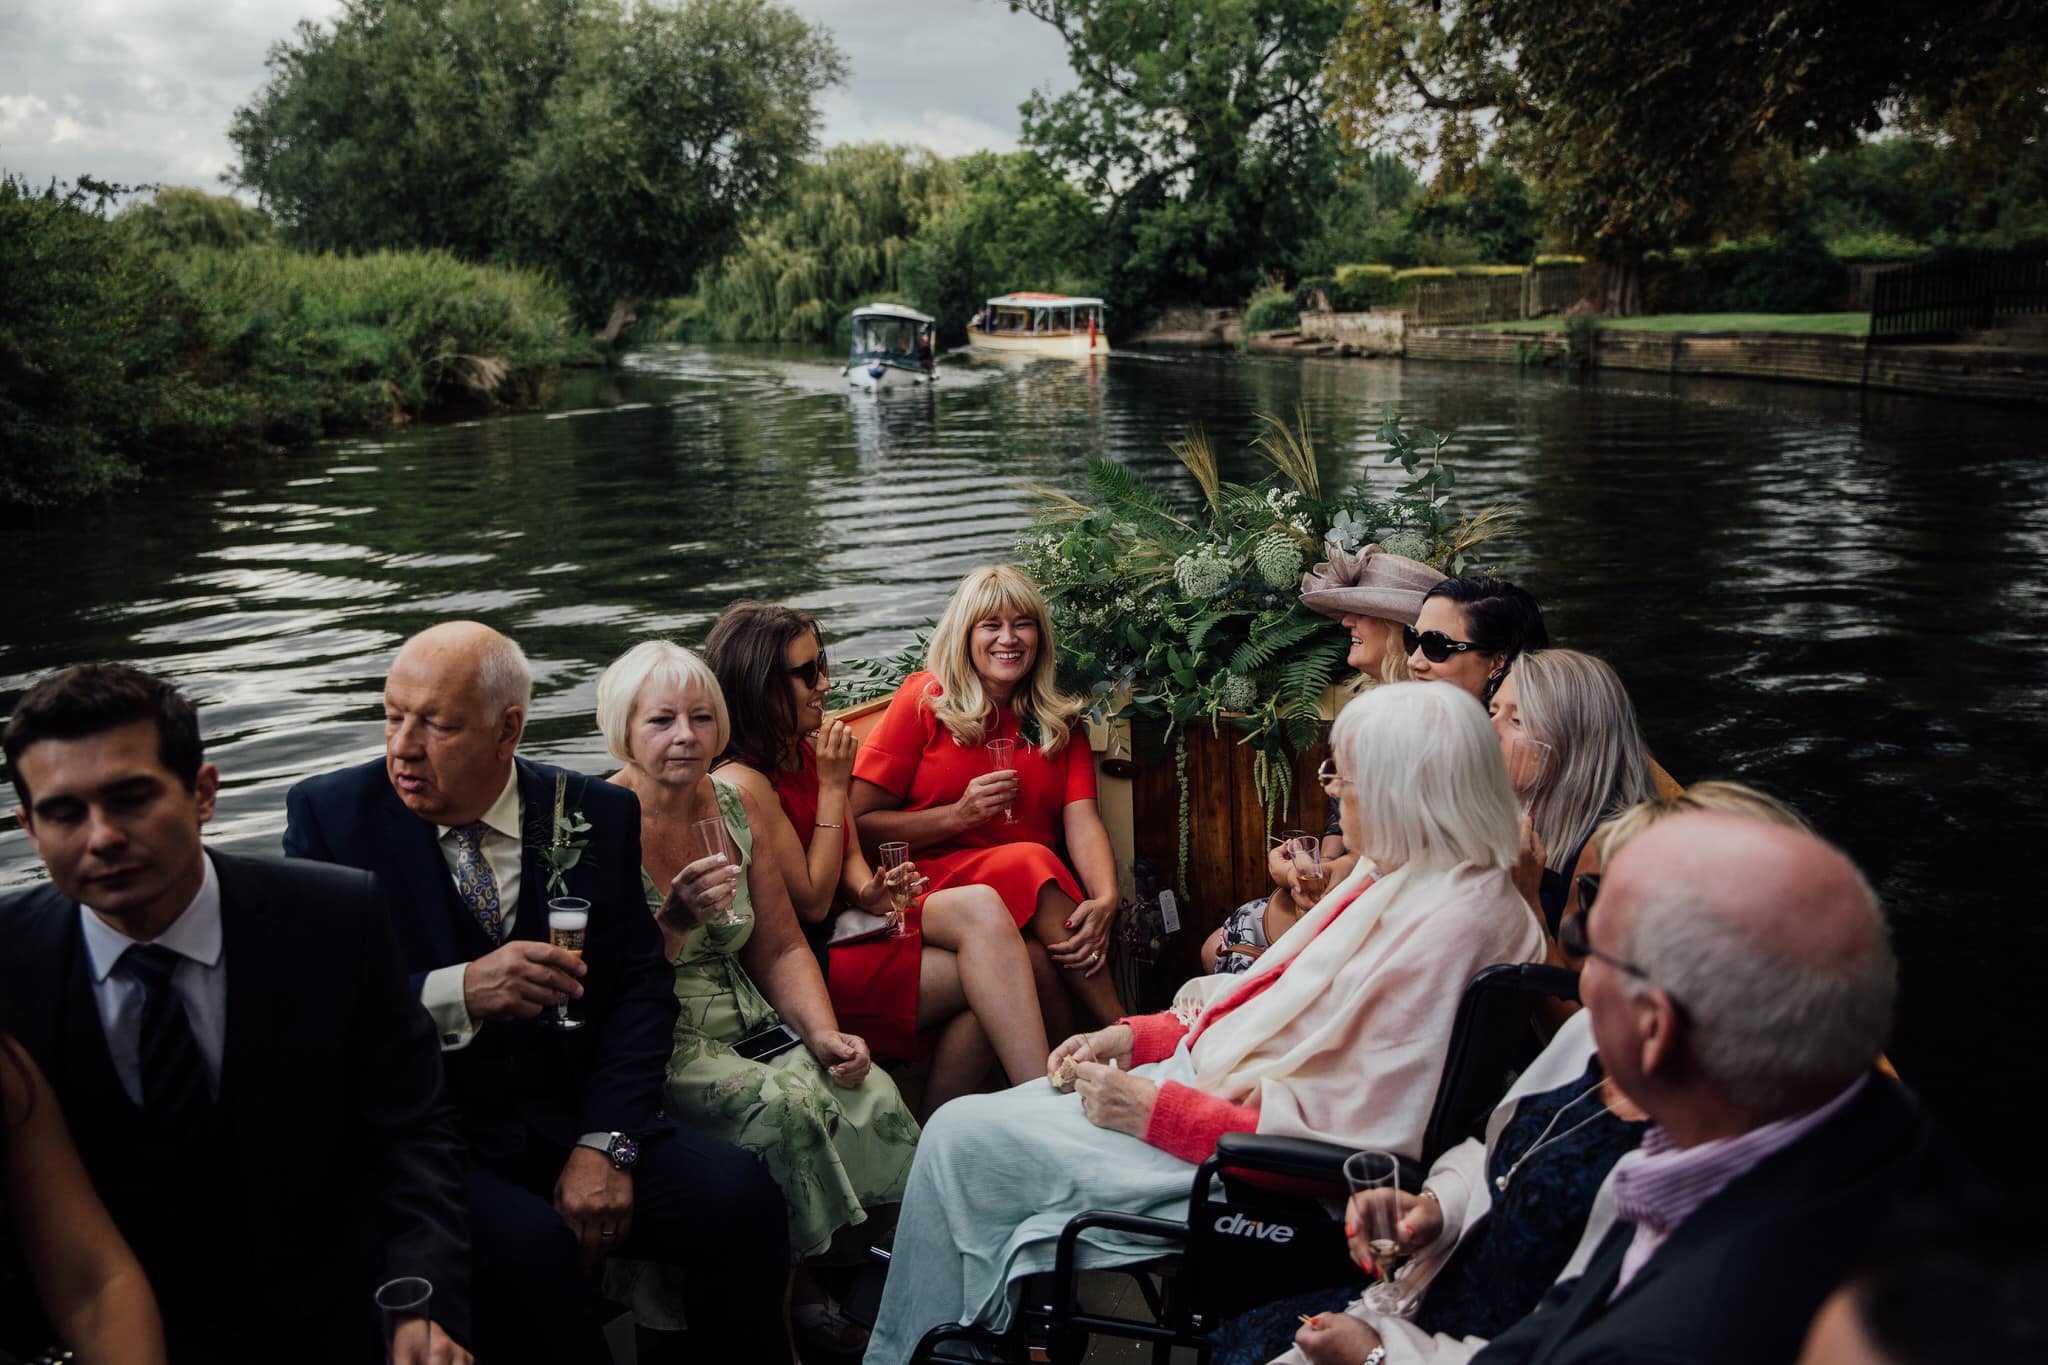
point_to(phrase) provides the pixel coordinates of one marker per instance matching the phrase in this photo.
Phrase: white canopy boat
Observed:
(1040, 324)
(892, 348)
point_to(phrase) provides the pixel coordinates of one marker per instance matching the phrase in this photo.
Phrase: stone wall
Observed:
(1355, 333)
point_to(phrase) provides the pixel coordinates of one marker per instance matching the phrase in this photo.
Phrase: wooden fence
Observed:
(1493, 298)
(1939, 300)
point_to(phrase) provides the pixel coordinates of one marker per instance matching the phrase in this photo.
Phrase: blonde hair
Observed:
(1425, 768)
(1576, 704)
(653, 661)
(1729, 798)
(962, 704)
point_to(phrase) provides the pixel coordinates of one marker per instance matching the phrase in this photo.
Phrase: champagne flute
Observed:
(895, 857)
(568, 919)
(401, 1301)
(714, 842)
(1002, 758)
(1529, 767)
(1377, 1175)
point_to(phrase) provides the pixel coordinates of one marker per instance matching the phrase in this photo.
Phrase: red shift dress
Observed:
(914, 758)
(873, 983)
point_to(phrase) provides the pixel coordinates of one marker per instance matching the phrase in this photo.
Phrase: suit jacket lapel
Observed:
(1590, 1294)
(258, 1028)
(85, 1063)
(415, 875)
(536, 817)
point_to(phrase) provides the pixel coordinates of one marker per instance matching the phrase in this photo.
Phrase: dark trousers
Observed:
(699, 1204)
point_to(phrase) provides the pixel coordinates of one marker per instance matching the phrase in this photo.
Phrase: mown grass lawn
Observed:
(1835, 324)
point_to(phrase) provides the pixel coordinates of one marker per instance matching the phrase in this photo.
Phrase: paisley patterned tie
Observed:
(474, 880)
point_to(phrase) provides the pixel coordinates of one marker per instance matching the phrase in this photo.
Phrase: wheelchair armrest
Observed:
(1299, 1158)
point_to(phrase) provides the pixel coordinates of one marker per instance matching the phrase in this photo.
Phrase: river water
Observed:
(1836, 597)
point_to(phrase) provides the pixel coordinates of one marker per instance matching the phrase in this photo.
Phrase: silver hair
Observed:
(1426, 777)
(1768, 1029)
(502, 669)
(1575, 703)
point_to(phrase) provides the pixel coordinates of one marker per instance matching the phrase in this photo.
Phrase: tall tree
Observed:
(1645, 126)
(1200, 125)
(615, 143)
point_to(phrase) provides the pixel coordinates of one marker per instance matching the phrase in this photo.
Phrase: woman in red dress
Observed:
(926, 776)
(960, 978)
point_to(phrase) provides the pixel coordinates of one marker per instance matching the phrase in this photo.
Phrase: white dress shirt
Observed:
(201, 981)
(441, 992)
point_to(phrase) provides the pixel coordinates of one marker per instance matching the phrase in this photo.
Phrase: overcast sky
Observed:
(141, 91)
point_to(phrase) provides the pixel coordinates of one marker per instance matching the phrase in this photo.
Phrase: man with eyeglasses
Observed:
(1745, 1013)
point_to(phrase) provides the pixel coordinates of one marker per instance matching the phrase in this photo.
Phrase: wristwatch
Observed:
(621, 1149)
(1375, 1355)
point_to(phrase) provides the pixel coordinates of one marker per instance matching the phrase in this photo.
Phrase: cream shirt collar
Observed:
(195, 933)
(503, 816)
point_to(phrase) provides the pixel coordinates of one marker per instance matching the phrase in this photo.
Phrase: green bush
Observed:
(176, 218)
(1874, 246)
(1557, 258)
(1272, 309)
(1791, 273)
(116, 355)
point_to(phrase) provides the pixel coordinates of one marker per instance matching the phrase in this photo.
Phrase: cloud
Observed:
(142, 91)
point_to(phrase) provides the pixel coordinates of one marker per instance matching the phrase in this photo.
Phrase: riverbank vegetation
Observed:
(180, 329)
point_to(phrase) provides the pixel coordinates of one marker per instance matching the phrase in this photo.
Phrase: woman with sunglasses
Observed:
(1597, 764)
(958, 979)
(1497, 1221)
(1469, 631)
(1372, 594)
(927, 777)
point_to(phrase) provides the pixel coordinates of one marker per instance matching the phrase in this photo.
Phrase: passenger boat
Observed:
(1040, 324)
(892, 348)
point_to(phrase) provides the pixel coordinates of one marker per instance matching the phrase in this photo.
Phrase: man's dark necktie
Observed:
(174, 1080)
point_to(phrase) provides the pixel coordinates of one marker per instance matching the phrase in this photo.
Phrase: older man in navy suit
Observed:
(572, 1159)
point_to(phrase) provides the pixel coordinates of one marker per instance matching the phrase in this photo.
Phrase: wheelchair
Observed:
(1259, 1225)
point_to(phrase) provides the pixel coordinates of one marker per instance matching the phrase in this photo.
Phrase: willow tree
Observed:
(839, 237)
(1645, 126)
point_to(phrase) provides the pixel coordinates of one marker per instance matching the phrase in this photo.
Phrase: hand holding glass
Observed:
(568, 919)
(714, 842)
(1305, 852)
(401, 1301)
(1529, 767)
(1377, 1176)
(897, 874)
(1002, 758)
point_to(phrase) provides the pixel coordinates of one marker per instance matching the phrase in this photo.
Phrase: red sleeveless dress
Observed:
(873, 983)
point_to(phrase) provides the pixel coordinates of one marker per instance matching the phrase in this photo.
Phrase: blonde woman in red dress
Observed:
(1030, 830)
(958, 983)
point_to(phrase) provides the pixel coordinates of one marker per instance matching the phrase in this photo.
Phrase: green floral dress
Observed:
(835, 1152)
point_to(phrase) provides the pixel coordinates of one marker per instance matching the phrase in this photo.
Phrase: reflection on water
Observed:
(1837, 597)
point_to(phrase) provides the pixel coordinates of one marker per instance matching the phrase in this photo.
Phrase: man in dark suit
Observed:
(571, 1157)
(1740, 988)
(251, 1084)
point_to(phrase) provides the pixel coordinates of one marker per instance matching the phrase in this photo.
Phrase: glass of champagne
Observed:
(1377, 1175)
(1305, 851)
(1002, 758)
(714, 842)
(568, 918)
(406, 1299)
(1529, 767)
(896, 873)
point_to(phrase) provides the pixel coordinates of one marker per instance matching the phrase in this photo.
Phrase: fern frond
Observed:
(1256, 653)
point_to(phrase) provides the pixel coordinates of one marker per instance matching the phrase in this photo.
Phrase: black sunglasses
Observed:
(810, 670)
(1574, 937)
(1436, 646)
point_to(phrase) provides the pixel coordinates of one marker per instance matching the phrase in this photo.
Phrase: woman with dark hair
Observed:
(1469, 632)
(959, 977)
(91, 1286)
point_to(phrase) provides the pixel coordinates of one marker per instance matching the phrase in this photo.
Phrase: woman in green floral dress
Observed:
(833, 1131)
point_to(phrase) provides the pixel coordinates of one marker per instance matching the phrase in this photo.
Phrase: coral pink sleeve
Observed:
(1080, 765)
(890, 754)
(1154, 1036)
(1189, 1124)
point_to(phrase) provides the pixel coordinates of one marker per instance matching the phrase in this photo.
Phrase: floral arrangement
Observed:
(1176, 616)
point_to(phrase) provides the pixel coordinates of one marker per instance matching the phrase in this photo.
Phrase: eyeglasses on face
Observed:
(1436, 646)
(810, 670)
(1575, 937)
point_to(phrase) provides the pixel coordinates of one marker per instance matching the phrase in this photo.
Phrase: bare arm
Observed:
(810, 875)
(1089, 850)
(882, 819)
(776, 956)
(91, 1285)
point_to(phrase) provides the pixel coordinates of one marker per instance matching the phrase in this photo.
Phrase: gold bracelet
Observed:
(820, 824)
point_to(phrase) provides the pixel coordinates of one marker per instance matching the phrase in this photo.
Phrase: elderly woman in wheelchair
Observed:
(1336, 1033)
